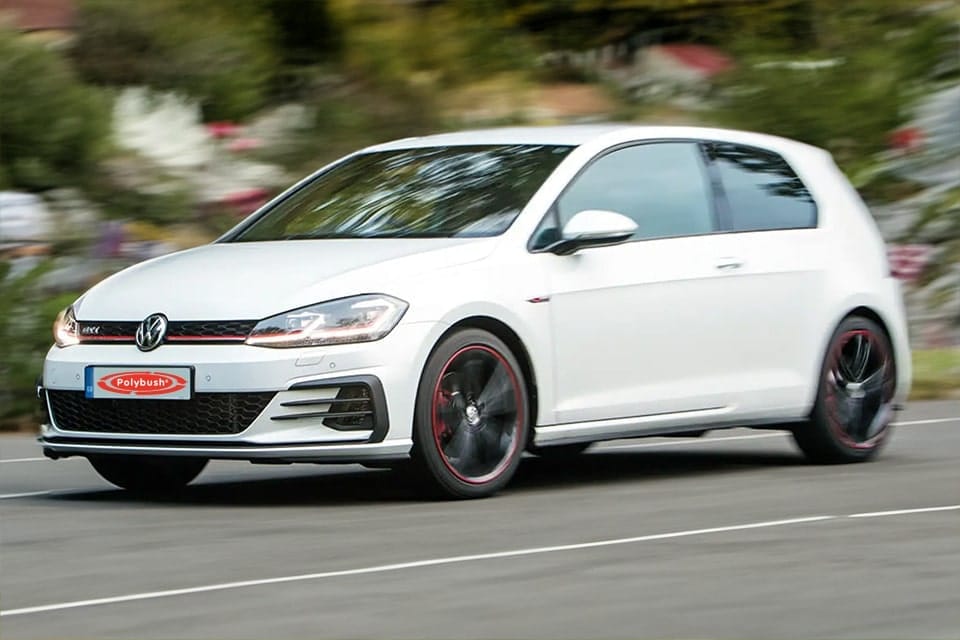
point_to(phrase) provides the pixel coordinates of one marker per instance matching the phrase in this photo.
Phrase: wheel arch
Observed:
(871, 314)
(861, 310)
(510, 337)
(857, 308)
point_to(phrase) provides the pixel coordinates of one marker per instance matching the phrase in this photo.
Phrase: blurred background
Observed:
(130, 129)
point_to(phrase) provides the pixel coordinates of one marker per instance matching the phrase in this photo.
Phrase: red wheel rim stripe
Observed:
(437, 425)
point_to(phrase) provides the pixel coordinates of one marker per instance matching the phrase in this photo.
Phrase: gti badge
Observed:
(151, 332)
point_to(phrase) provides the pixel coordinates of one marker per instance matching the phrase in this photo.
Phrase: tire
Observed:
(560, 451)
(471, 419)
(851, 416)
(148, 474)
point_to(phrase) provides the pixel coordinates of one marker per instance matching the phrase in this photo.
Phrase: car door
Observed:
(643, 328)
(780, 279)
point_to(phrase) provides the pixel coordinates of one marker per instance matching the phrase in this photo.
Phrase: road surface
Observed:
(731, 535)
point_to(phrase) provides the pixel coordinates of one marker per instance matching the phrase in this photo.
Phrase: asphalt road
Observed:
(732, 535)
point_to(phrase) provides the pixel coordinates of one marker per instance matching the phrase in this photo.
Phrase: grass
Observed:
(936, 374)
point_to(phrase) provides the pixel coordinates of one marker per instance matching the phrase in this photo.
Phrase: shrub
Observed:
(51, 125)
(26, 317)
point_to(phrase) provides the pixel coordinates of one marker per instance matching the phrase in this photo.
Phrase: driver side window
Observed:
(661, 186)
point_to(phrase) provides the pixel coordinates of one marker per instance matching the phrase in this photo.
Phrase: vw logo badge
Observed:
(151, 331)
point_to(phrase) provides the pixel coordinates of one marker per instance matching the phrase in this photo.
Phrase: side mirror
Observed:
(594, 228)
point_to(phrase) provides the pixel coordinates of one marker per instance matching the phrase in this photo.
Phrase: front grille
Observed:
(183, 331)
(211, 328)
(94, 330)
(204, 414)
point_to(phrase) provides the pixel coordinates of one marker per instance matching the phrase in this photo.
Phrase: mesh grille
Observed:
(199, 330)
(93, 330)
(204, 414)
(211, 328)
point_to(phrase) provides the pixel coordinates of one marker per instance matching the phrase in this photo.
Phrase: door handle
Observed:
(729, 264)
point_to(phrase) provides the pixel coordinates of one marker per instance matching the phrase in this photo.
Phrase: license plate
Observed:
(167, 383)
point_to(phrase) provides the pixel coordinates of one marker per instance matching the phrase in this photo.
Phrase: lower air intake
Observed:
(204, 414)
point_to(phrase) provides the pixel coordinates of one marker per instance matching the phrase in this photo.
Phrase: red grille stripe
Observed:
(206, 338)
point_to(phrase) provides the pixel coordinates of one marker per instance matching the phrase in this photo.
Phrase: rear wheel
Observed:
(471, 415)
(854, 407)
(148, 474)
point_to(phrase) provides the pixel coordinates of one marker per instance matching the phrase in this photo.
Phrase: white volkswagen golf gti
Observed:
(457, 299)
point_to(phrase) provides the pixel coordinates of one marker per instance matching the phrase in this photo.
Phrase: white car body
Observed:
(662, 336)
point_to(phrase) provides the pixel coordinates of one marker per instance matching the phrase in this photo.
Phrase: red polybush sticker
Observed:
(142, 383)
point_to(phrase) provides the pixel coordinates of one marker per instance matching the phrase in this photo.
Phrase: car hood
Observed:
(254, 280)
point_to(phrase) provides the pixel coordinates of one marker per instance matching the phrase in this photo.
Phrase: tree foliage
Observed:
(579, 24)
(850, 83)
(51, 125)
(217, 52)
(434, 45)
(304, 30)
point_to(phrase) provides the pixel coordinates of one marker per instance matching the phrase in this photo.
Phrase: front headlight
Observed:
(66, 331)
(358, 319)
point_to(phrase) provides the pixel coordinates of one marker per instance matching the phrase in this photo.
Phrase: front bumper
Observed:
(294, 426)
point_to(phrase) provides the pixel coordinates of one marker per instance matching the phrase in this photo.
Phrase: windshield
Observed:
(441, 192)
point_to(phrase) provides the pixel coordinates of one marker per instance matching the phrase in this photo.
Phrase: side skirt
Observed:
(663, 424)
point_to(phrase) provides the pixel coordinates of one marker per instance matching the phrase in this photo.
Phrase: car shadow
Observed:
(353, 486)
(611, 467)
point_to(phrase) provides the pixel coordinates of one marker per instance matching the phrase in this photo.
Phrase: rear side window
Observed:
(762, 192)
(661, 186)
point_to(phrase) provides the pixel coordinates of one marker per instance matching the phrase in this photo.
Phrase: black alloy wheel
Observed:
(471, 416)
(854, 407)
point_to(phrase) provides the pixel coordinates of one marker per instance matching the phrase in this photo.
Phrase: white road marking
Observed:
(408, 565)
(29, 494)
(49, 492)
(904, 512)
(909, 423)
(384, 568)
(23, 460)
